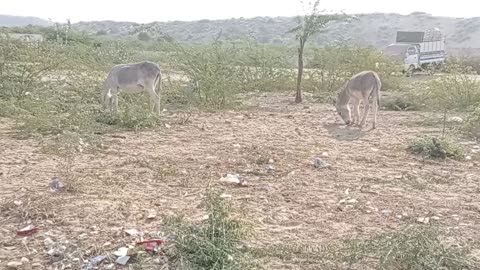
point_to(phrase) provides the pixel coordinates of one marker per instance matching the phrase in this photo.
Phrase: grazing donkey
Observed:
(360, 87)
(133, 78)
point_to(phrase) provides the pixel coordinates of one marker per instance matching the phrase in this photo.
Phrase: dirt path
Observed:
(166, 172)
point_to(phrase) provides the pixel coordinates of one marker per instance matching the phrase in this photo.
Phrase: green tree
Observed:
(308, 25)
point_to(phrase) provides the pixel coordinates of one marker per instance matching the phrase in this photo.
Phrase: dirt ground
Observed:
(372, 184)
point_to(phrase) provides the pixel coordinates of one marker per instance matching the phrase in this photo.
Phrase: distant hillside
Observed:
(371, 29)
(10, 21)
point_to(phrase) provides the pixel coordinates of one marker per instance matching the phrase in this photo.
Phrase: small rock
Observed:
(374, 149)
(387, 212)
(271, 161)
(151, 216)
(399, 216)
(435, 218)
(225, 196)
(424, 220)
(324, 154)
(468, 158)
(319, 163)
(167, 125)
(18, 203)
(109, 266)
(455, 119)
(352, 201)
(14, 265)
(26, 264)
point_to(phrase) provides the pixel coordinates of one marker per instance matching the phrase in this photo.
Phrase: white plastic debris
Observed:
(231, 178)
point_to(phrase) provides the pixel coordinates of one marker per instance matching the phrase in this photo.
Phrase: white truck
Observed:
(418, 50)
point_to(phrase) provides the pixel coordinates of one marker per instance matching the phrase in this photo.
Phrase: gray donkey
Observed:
(359, 88)
(133, 78)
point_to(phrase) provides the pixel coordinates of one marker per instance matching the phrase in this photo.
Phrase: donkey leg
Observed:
(375, 110)
(356, 113)
(154, 100)
(366, 104)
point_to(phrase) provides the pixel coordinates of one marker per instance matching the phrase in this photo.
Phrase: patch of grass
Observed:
(433, 147)
(472, 125)
(400, 103)
(211, 244)
(414, 247)
(457, 91)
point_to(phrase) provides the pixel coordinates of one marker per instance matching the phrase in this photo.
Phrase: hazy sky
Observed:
(168, 10)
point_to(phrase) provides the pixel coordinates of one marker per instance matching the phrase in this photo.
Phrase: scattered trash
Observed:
(230, 178)
(270, 168)
(56, 185)
(319, 163)
(29, 230)
(121, 252)
(94, 262)
(233, 179)
(132, 232)
(55, 250)
(151, 246)
(122, 260)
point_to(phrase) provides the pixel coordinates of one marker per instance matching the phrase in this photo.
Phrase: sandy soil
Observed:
(165, 172)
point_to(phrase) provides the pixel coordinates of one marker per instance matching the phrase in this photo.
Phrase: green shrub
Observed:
(472, 124)
(457, 91)
(212, 244)
(336, 63)
(433, 147)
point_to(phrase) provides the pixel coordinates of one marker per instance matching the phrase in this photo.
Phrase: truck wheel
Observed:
(410, 70)
(432, 69)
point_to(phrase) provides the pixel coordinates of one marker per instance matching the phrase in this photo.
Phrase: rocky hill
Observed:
(370, 29)
(10, 21)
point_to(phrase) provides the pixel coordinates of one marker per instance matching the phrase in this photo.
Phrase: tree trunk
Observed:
(298, 96)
